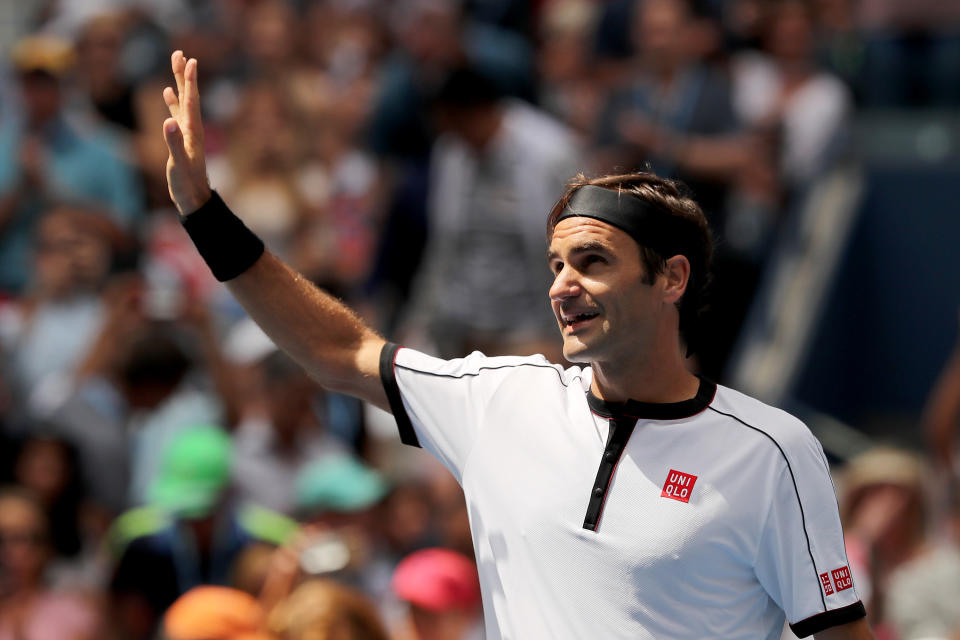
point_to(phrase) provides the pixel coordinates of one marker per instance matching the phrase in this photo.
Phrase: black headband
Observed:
(650, 225)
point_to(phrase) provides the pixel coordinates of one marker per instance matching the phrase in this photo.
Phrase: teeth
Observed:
(578, 317)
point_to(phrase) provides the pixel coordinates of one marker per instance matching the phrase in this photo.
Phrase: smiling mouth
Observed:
(575, 321)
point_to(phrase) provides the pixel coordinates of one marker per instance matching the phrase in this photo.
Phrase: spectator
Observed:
(321, 609)
(342, 497)
(29, 608)
(921, 597)
(215, 613)
(442, 591)
(884, 511)
(788, 98)
(434, 37)
(942, 415)
(569, 87)
(274, 447)
(73, 251)
(482, 280)
(257, 168)
(47, 467)
(99, 47)
(675, 113)
(190, 533)
(46, 155)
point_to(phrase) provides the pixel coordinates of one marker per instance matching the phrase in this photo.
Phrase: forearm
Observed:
(318, 331)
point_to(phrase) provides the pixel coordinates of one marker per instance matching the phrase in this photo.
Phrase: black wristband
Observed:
(226, 244)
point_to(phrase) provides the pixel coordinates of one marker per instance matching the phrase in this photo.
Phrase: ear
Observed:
(676, 277)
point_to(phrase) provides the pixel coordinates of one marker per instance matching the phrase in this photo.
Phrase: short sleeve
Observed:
(801, 560)
(439, 405)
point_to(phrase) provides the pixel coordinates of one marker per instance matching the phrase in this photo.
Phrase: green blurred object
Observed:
(341, 484)
(194, 472)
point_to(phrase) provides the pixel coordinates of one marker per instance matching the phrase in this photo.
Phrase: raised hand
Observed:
(183, 133)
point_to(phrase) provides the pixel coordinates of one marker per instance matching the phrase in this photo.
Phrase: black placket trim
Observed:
(623, 419)
(620, 431)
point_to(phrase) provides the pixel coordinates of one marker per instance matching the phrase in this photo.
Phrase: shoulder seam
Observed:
(469, 374)
(793, 478)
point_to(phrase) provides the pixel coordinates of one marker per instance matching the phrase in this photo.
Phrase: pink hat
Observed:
(437, 579)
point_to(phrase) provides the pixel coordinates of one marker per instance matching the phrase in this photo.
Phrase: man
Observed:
(587, 515)
(49, 155)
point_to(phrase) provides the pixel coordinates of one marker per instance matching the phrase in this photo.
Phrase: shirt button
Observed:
(608, 456)
(598, 492)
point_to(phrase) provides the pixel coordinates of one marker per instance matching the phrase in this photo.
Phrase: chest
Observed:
(673, 493)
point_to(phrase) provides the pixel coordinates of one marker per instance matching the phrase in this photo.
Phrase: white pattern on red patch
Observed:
(678, 486)
(827, 585)
(841, 577)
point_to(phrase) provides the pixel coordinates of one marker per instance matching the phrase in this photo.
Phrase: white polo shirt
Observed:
(708, 518)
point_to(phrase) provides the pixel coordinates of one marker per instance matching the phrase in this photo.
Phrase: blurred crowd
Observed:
(168, 473)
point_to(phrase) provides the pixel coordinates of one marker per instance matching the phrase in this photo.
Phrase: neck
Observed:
(658, 376)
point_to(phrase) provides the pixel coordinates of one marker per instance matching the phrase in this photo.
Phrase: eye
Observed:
(556, 267)
(593, 258)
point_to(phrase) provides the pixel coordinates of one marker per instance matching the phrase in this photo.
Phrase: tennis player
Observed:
(620, 498)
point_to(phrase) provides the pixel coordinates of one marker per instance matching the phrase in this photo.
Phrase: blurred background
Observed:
(167, 473)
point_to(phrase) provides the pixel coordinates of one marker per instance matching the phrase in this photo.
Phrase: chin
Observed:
(576, 351)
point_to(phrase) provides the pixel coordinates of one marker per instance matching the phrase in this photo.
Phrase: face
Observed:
(23, 549)
(599, 297)
(662, 31)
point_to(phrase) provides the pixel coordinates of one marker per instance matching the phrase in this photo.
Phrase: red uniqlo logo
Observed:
(678, 486)
(841, 577)
(827, 585)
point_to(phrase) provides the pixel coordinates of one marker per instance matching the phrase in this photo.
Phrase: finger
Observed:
(173, 104)
(174, 139)
(178, 62)
(191, 101)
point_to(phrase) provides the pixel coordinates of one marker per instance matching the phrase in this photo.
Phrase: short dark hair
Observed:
(674, 197)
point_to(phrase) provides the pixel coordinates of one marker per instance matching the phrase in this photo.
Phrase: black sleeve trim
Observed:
(389, 379)
(827, 619)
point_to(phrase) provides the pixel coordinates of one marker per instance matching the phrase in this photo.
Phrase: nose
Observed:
(565, 285)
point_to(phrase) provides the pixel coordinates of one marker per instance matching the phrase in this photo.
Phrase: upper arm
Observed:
(801, 558)
(856, 630)
(442, 405)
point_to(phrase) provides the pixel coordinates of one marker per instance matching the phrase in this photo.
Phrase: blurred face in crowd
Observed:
(98, 52)
(23, 542)
(70, 255)
(41, 96)
(790, 33)
(43, 467)
(430, 31)
(476, 125)
(290, 404)
(264, 131)
(662, 30)
(270, 32)
(441, 625)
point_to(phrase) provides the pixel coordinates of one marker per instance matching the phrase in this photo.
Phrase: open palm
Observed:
(183, 133)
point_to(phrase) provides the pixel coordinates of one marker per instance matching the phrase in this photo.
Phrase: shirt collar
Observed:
(655, 410)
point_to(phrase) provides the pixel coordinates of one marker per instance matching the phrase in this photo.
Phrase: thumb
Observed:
(174, 139)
